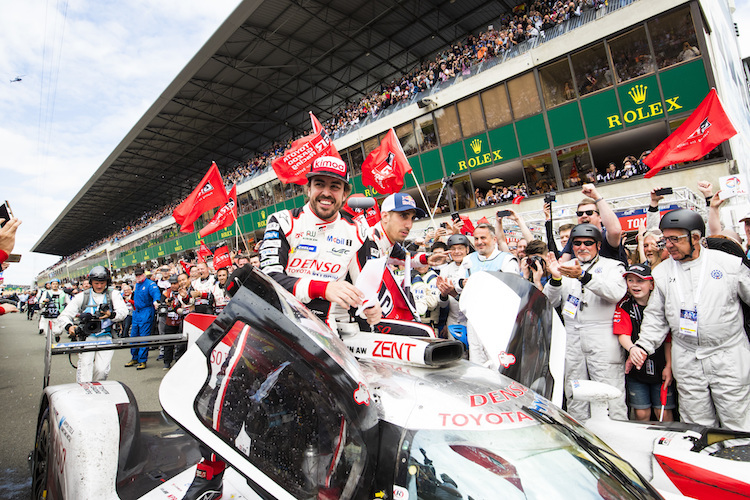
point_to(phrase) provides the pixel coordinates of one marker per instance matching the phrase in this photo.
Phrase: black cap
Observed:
(173, 279)
(138, 271)
(643, 271)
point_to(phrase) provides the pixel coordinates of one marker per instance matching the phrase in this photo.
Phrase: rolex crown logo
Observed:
(476, 146)
(638, 93)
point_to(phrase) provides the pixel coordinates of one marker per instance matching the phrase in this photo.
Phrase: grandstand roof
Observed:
(252, 84)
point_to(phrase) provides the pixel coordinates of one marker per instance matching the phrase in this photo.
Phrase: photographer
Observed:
(534, 265)
(96, 309)
(173, 308)
(51, 302)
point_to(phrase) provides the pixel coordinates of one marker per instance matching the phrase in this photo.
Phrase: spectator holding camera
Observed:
(534, 266)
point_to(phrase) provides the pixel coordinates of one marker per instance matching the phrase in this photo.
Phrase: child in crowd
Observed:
(644, 386)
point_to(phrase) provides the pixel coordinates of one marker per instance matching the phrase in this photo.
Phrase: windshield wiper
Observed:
(609, 466)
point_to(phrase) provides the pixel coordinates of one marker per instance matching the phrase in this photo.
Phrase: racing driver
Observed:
(309, 251)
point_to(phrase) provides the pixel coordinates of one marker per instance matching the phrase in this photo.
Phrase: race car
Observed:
(299, 412)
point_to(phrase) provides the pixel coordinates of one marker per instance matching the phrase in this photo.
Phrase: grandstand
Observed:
(544, 106)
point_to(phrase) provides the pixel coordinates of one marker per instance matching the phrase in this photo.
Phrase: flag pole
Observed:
(427, 205)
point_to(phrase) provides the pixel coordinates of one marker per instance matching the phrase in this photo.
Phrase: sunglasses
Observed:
(587, 212)
(588, 243)
(674, 239)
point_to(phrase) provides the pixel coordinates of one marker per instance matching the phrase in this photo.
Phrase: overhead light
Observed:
(496, 180)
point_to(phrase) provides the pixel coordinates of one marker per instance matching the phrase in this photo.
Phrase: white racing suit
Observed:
(711, 366)
(303, 253)
(593, 352)
(94, 366)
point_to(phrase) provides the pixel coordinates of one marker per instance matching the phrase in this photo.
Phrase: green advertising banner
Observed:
(503, 143)
(454, 157)
(478, 153)
(565, 124)
(432, 167)
(601, 114)
(684, 87)
(532, 135)
(640, 101)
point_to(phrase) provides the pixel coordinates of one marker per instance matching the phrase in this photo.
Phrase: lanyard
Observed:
(679, 273)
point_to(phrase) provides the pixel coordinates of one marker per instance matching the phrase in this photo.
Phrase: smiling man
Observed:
(589, 288)
(697, 297)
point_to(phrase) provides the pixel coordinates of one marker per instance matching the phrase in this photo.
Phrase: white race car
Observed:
(298, 412)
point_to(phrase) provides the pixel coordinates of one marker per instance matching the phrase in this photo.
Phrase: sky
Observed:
(89, 70)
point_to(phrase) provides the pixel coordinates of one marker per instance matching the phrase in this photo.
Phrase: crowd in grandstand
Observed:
(525, 22)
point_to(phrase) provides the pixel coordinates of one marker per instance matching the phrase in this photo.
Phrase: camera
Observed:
(50, 310)
(89, 324)
(535, 262)
(550, 197)
(162, 310)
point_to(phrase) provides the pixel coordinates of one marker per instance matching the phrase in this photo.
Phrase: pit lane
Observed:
(21, 374)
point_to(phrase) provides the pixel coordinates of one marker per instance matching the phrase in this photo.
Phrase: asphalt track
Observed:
(21, 380)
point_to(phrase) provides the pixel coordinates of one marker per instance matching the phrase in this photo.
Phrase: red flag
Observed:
(224, 217)
(384, 169)
(185, 266)
(203, 252)
(518, 199)
(318, 129)
(468, 227)
(295, 164)
(221, 257)
(210, 193)
(483, 220)
(706, 127)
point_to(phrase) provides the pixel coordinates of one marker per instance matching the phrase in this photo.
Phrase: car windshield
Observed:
(536, 461)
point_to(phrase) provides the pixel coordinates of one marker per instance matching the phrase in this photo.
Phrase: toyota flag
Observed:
(210, 193)
(384, 169)
(224, 217)
(707, 127)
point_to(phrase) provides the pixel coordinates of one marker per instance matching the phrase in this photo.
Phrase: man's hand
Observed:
(553, 265)
(8, 235)
(590, 191)
(656, 198)
(547, 211)
(445, 286)
(195, 294)
(716, 200)
(571, 269)
(437, 259)
(706, 188)
(373, 314)
(513, 215)
(344, 294)
(71, 331)
(9, 308)
(637, 356)
(666, 376)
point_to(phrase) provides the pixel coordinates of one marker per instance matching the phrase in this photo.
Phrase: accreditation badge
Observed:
(570, 309)
(689, 322)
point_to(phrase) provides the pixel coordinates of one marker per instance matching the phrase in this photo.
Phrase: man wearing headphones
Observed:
(98, 308)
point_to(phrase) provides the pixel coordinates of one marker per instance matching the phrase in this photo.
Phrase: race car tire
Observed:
(40, 458)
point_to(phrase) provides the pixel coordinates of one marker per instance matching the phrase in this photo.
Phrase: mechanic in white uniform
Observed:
(589, 287)
(697, 296)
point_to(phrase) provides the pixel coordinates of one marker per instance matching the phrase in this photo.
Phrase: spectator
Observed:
(458, 247)
(645, 384)
(426, 295)
(595, 210)
(589, 288)
(697, 297)
(534, 266)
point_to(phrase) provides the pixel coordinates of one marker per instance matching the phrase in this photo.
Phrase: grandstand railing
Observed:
(586, 17)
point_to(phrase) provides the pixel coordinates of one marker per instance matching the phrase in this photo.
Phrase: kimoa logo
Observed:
(639, 94)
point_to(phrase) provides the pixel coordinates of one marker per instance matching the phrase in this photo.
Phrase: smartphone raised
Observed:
(455, 217)
(503, 213)
(5, 213)
(663, 191)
